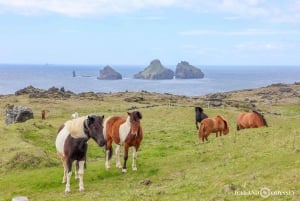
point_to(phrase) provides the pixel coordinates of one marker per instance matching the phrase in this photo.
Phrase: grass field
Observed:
(253, 164)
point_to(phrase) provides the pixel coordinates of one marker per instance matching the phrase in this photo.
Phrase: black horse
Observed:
(200, 115)
(71, 144)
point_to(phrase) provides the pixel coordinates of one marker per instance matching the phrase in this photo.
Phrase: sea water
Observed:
(216, 79)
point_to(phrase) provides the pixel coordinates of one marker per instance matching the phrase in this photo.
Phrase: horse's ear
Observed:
(90, 119)
(129, 113)
(140, 115)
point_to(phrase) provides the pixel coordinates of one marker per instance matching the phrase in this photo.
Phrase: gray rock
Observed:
(186, 71)
(18, 114)
(155, 71)
(108, 73)
(20, 198)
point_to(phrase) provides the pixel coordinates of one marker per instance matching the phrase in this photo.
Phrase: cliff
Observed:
(186, 71)
(108, 73)
(155, 71)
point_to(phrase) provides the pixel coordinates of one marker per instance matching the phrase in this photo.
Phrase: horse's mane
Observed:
(261, 117)
(76, 127)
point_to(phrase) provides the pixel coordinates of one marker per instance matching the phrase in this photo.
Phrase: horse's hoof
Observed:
(81, 189)
(67, 191)
(119, 166)
(134, 168)
(124, 170)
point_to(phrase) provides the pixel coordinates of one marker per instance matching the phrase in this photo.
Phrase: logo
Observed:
(265, 192)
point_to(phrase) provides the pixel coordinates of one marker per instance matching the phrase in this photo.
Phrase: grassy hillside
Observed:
(177, 164)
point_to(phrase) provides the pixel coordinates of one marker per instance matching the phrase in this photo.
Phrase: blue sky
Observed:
(134, 32)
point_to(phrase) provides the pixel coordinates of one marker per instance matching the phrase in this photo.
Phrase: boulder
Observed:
(20, 198)
(16, 114)
(186, 71)
(52, 92)
(155, 71)
(108, 73)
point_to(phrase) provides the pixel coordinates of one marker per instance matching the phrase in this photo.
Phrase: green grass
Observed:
(179, 166)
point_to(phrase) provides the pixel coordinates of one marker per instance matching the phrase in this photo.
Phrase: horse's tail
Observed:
(226, 129)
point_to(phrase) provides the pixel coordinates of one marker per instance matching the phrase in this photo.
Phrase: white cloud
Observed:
(247, 32)
(79, 7)
(276, 11)
(266, 46)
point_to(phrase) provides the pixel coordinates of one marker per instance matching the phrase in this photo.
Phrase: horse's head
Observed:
(135, 124)
(262, 118)
(93, 126)
(198, 109)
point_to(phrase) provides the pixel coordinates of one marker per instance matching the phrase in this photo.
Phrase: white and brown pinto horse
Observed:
(71, 145)
(125, 131)
(216, 125)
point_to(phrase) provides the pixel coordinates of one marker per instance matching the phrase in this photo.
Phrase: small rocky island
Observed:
(186, 71)
(108, 73)
(155, 71)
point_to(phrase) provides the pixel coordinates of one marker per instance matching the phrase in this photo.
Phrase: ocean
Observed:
(216, 79)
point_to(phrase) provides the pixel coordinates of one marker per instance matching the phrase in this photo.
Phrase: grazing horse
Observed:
(216, 125)
(123, 131)
(200, 115)
(71, 144)
(250, 120)
(43, 114)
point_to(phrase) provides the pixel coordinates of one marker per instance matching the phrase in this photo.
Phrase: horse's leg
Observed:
(65, 171)
(108, 154)
(126, 148)
(69, 174)
(80, 175)
(76, 169)
(118, 162)
(206, 137)
(134, 157)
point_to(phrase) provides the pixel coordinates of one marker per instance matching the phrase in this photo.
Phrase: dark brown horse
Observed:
(216, 125)
(200, 115)
(252, 119)
(71, 145)
(125, 131)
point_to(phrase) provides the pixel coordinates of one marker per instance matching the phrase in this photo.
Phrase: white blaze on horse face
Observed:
(124, 130)
(60, 140)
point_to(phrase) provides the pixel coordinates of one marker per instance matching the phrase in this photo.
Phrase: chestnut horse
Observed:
(200, 115)
(43, 112)
(123, 131)
(71, 145)
(250, 120)
(216, 125)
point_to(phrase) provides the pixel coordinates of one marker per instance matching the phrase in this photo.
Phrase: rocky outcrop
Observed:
(52, 92)
(186, 71)
(108, 73)
(16, 114)
(155, 71)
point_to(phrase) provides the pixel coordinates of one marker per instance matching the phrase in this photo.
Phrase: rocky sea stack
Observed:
(108, 73)
(186, 71)
(155, 71)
